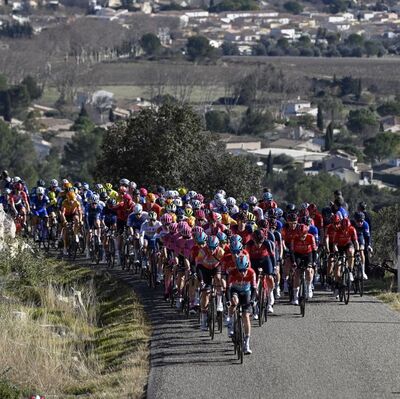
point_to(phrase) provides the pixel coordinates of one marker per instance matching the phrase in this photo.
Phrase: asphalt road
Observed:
(335, 351)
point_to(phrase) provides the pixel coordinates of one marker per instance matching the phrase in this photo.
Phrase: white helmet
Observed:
(222, 202)
(137, 209)
(222, 192)
(40, 191)
(230, 201)
(192, 194)
(16, 179)
(94, 199)
(178, 202)
(252, 200)
(54, 183)
(132, 185)
(124, 182)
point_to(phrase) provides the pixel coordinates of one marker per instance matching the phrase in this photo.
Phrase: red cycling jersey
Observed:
(267, 249)
(242, 281)
(318, 220)
(246, 236)
(304, 246)
(341, 237)
(229, 261)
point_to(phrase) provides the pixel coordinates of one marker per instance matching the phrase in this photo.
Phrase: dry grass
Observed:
(391, 298)
(62, 347)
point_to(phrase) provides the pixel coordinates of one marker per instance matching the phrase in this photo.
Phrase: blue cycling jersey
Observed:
(93, 212)
(41, 203)
(314, 231)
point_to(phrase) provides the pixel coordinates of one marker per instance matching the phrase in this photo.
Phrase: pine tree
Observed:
(358, 89)
(329, 137)
(111, 116)
(83, 112)
(320, 119)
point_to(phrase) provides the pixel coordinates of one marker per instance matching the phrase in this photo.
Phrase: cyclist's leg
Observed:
(268, 271)
(205, 276)
(244, 300)
(350, 256)
(233, 303)
(218, 286)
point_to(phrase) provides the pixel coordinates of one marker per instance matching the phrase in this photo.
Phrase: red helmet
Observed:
(197, 230)
(346, 223)
(185, 230)
(303, 229)
(143, 192)
(200, 214)
(127, 198)
(199, 197)
(335, 219)
(173, 228)
(312, 208)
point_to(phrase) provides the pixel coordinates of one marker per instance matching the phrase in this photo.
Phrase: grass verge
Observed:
(69, 332)
(385, 290)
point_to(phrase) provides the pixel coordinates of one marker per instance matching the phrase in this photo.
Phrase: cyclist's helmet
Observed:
(188, 212)
(160, 201)
(278, 212)
(40, 190)
(252, 200)
(160, 190)
(244, 206)
(259, 235)
(306, 220)
(196, 204)
(222, 192)
(362, 206)
(312, 208)
(186, 198)
(41, 183)
(71, 195)
(291, 218)
(267, 196)
(85, 186)
(152, 215)
(304, 205)
(17, 179)
(197, 230)
(303, 229)
(173, 228)
(224, 209)
(185, 230)
(94, 199)
(242, 263)
(166, 219)
(199, 197)
(222, 237)
(192, 194)
(98, 187)
(143, 192)
(212, 242)
(170, 208)
(200, 238)
(136, 192)
(132, 185)
(54, 183)
(359, 216)
(345, 223)
(111, 202)
(290, 208)
(103, 196)
(335, 219)
(200, 214)
(108, 186)
(178, 202)
(78, 185)
(182, 191)
(138, 209)
(218, 199)
(230, 202)
(236, 247)
(124, 182)
(236, 237)
(213, 217)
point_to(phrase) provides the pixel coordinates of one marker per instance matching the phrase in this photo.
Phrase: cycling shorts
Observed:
(207, 274)
(90, 222)
(110, 221)
(69, 218)
(303, 259)
(244, 299)
(265, 264)
(345, 248)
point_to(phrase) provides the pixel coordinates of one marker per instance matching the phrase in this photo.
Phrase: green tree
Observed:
(389, 108)
(255, 121)
(150, 44)
(7, 113)
(217, 121)
(17, 153)
(170, 142)
(81, 154)
(320, 119)
(230, 48)
(3, 83)
(363, 121)
(198, 47)
(32, 87)
(51, 167)
(383, 145)
(329, 137)
(354, 40)
(83, 123)
(111, 116)
(293, 7)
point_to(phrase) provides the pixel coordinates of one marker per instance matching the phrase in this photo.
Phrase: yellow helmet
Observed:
(182, 191)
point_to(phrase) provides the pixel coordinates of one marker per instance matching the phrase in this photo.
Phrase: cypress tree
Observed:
(329, 137)
(320, 119)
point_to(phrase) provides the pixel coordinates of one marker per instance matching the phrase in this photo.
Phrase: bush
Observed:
(9, 391)
(217, 121)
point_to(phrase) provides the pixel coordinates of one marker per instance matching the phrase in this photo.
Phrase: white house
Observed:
(299, 108)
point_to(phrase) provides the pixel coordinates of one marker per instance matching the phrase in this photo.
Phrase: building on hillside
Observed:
(299, 108)
(391, 123)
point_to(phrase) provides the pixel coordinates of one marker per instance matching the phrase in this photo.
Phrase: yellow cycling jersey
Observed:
(114, 195)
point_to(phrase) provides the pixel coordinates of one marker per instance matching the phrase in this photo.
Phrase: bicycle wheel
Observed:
(211, 316)
(302, 297)
(186, 301)
(261, 305)
(346, 286)
(240, 339)
(361, 286)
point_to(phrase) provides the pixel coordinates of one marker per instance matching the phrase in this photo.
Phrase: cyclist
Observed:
(19, 202)
(273, 224)
(148, 236)
(267, 202)
(71, 212)
(39, 204)
(262, 258)
(303, 249)
(364, 238)
(134, 222)
(110, 191)
(123, 210)
(151, 205)
(254, 208)
(240, 229)
(93, 216)
(341, 238)
(241, 291)
(208, 263)
(214, 226)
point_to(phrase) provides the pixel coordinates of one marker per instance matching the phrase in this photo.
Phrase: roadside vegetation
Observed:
(68, 331)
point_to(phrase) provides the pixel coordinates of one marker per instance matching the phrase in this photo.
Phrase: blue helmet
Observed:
(278, 212)
(200, 237)
(242, 263)
(236, 237)
(236, 246)
(224, 209)
(244, 206)
(267, 196)
(85, 186)
(212, 242)
(222, 236)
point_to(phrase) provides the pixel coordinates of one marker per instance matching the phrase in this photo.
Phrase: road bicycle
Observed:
(344, 282)
(238, 332)
(109, 247)
(42, 234)
(262, 299)
(302, 267)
